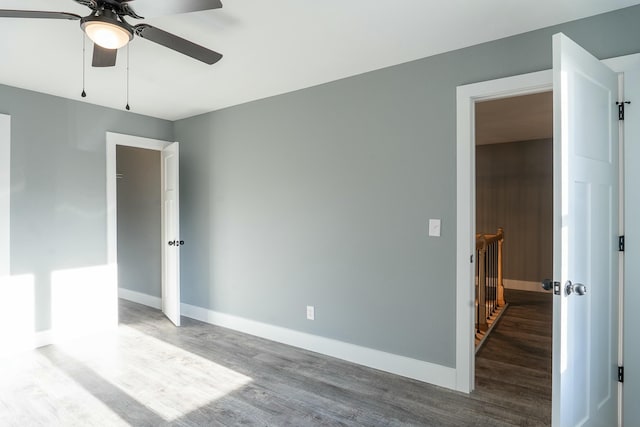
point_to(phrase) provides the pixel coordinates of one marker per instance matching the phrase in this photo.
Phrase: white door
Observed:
(585, 327)
(171, 233)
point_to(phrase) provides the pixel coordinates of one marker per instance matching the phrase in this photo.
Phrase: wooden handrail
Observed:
(490, 238)
(487, 304)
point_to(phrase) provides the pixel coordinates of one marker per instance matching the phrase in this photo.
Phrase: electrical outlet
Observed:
(311, 312)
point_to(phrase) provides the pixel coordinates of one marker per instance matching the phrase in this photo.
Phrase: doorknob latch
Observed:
(548, 284)
(176, 243)
(577, 288)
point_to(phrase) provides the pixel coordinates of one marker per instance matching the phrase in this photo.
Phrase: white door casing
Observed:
(170, 292)
(5, 193)
(585, 328)
(171, 233)
(467, 96)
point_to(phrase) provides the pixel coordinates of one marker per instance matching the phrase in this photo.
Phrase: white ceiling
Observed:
(270, 47)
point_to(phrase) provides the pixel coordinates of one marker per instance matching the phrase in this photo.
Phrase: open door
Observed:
(171, 233)
(585, 309)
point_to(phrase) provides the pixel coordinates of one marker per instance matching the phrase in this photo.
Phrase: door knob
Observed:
(578, 288)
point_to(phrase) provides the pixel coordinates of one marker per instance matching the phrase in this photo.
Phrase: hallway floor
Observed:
(514, 364)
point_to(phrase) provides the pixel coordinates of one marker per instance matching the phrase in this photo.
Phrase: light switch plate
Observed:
(434, 227)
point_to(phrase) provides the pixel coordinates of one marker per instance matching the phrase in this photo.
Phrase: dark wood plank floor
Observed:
(149, 373)
(514, 364)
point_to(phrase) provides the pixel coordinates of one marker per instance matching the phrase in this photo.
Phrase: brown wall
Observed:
(514, 190)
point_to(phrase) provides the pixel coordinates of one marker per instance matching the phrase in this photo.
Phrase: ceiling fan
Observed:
(107, 28)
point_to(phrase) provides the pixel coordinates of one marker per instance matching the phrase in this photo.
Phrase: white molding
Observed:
(467, 96)
(5, 195)
(137, 141)
(140, 298)
(114, 139)
(43, 338)
(400, 365)
(522, 285)
(26, 343)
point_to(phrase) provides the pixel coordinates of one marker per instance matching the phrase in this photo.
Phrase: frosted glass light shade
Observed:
(107, 35)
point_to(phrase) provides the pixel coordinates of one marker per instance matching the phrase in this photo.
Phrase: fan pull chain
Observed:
(84, 66)
(127, 107)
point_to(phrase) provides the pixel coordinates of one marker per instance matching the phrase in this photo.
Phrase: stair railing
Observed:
(489, 286)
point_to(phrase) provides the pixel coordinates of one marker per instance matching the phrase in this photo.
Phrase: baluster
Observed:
(477, 287)
(493, 277)
(489, 281)
(500, 282)
(482, 278)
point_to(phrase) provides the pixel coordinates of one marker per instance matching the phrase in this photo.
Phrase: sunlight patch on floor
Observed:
(164, 378)
(55, 399)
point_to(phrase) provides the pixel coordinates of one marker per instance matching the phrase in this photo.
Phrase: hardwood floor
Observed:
(514, 364)
(149, 373)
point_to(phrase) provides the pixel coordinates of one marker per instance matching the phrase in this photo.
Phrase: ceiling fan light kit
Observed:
(109, 31)
(107, 28)
(106, 31)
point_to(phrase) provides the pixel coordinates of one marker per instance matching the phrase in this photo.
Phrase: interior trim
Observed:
(467, 96)
(5, 195)
(140, 298)
(400, 365)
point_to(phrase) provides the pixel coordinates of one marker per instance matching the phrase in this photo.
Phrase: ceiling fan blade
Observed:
(5, 13)
(178, 44)
(104, 57)
(93, 4)
(173, 7)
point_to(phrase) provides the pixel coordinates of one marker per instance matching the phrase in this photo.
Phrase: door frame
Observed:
(467, 96)
(113, 140)
(5, 195)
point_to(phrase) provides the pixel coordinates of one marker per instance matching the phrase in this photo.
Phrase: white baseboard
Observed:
(140, 298)
(43, 338)
(11, 348)
(400, 365)
(48, 337)
(522, 285)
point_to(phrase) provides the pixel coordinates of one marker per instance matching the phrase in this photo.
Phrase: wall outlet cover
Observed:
(311, 312)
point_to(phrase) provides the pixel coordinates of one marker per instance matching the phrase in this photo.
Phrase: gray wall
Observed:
(139, 220)
(323, 196)
(514, 190)
(58, 183)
